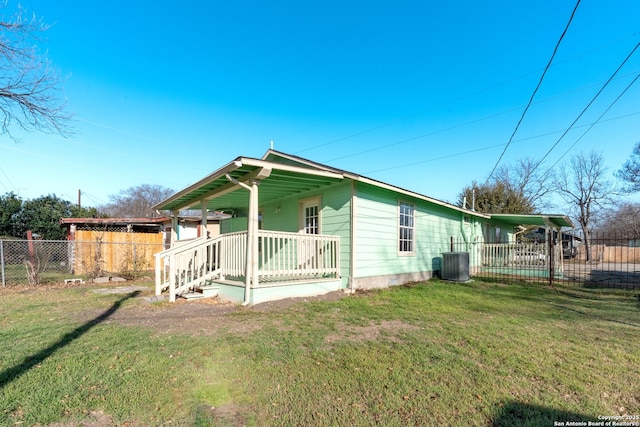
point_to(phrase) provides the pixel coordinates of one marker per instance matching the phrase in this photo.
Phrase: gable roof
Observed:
(283, 179)
(274, 155)
(281, 175)
(284, 174)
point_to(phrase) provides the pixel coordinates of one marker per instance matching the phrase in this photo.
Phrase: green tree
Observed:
(518, 188)
(495, 198)
(630, 171)
(42, 216)
(10, 207)
(83, 212)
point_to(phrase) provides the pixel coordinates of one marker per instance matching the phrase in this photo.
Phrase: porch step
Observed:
(206, 291)
(192, 295)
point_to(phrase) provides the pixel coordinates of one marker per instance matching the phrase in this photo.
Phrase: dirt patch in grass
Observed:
(95, 419)
(388, 329)
(204, 317)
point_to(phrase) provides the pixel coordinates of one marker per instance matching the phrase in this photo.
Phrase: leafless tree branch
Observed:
(30, 97)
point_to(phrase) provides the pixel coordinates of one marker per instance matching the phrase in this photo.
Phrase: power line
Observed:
(588, 105)
(471, 95)
(594, 123)
(497, 145)
(8, 180)
(555, 50)
(435, 132)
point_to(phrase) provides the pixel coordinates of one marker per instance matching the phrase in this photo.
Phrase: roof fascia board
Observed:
(229, 167)
(416, 195)
(310, 163)
(552, 218)
(356, 177)
(291, 168)
(229, 187)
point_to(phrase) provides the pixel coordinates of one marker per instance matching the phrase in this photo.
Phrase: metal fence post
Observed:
(4, 282)
(551, 257)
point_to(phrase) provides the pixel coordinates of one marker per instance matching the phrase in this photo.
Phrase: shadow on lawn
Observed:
(29, 362)
(523, 414)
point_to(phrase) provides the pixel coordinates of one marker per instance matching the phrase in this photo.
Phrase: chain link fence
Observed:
(606, 261)
(35, 262)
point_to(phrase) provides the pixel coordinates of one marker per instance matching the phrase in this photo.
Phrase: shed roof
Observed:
(114, 221)
(536, 219)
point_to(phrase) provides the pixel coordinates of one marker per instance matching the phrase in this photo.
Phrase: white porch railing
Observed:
(287, 256)
(281, 257)
(514, 254)
(186, 266)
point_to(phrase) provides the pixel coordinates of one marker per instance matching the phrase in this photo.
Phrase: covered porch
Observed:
(535, 259)
(248, 264)
(292, 260)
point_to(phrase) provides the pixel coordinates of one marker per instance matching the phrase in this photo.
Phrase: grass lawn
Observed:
(427, 354)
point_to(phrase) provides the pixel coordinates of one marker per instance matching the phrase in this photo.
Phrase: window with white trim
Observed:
(310, 216)
(406, 228)
(311, 222)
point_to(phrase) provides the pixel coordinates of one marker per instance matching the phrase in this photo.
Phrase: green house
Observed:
(299, 228)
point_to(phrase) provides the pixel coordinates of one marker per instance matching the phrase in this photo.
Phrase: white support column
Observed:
(203, 224)
(254, 238)
(251, 268)
(174, 227)
(352, 238)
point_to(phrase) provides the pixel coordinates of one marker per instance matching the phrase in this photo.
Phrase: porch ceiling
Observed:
(220, 193)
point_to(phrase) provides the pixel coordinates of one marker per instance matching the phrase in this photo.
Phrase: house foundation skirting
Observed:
(234, 292)
(376, 282)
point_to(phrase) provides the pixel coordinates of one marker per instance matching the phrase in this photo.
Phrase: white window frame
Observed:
(406, 226)
(305, 203)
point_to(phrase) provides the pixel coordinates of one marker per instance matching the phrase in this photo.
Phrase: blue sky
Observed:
(419, 94)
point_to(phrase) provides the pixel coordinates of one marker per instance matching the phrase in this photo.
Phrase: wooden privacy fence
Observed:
(94, 252)
(606, 253)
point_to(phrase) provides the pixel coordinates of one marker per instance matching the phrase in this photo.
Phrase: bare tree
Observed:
(524, 178)
(622, 222)
(630, 171)
(514, 188)
(136, 202)
(29, 87)
(583, 184)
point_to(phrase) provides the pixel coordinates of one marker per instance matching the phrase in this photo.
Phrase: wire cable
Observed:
(488, 147)
(459, 125)
(593, 124)
(555, 50)
(588, 105)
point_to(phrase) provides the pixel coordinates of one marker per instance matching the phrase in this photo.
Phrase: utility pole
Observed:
(79, 193)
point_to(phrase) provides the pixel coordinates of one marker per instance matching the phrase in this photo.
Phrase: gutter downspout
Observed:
(352, 244)
(249, 255)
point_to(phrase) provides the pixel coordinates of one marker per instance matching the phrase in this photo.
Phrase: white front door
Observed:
(309, 224)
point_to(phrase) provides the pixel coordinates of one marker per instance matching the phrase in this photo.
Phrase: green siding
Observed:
(376, 229)
(283, 215)
(232, 225)
(376, 232)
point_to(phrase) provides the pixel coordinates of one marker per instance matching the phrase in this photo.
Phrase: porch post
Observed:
(251, 268)
(175, 235)
(254, 240)
(203, 224)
